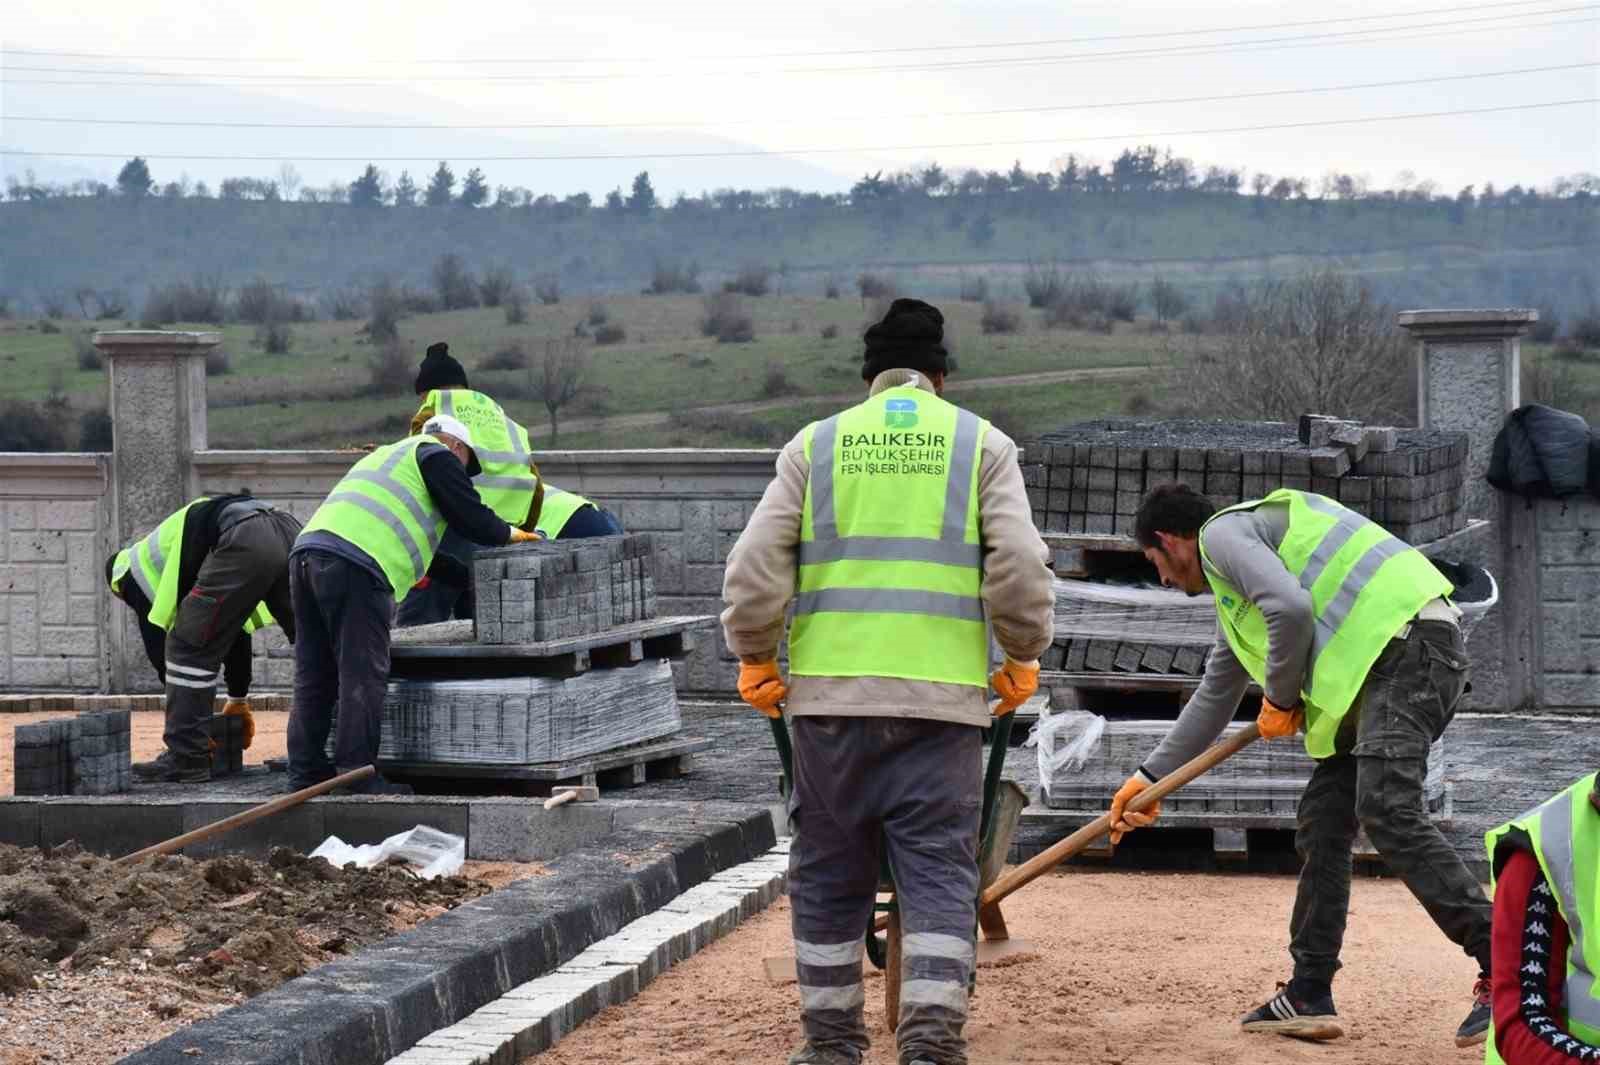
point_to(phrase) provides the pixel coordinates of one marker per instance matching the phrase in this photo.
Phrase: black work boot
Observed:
(1475, 1029)
(812, 1054)
(1301, 1012)
(169, 767)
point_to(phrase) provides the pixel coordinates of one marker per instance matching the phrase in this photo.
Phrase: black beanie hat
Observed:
(910, 337)
(439, 370)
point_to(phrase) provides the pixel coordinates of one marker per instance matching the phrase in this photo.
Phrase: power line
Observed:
(1048, 42)
(335, 80)
(755, 152)
(680, 124)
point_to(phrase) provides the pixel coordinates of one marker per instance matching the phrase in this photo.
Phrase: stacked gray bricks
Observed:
(227, 743)
(1089, 477)
(558, 589)
(85, 755)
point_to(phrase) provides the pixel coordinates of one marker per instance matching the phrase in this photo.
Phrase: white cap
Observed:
(443, 423)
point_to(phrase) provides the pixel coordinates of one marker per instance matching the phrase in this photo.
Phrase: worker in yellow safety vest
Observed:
(369, 542)
(1351, 637)
(1546, 870)
(896, 528)
(509, 484)
(213, 571)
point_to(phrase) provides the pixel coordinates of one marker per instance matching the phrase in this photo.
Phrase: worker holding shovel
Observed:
(894, 527)
(1348, 632)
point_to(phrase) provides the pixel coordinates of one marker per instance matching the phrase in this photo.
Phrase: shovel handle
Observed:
(1060, 851)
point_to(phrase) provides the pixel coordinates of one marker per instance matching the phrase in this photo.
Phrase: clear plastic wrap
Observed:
(1064, 740)
(433, 852)
(1140, 613)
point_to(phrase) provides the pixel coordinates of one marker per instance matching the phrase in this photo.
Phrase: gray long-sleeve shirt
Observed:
(1243, 548)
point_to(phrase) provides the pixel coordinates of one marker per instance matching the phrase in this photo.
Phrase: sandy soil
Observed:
(271, 735)
(1128, 969)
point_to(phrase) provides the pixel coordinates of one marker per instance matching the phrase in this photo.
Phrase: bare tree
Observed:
(1320, 343)
(556, 377)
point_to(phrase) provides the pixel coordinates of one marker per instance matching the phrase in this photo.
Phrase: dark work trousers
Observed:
(341, 665)
(915, 787)
(441, 599)
(248, 566)
(1374, 782)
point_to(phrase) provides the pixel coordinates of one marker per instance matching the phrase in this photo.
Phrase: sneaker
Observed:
(1475, 1029)
(169, 767)
(1293, 1014)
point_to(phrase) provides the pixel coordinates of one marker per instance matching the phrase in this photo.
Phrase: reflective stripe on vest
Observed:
(1563, 834)
(1364, 586)
(557, 509)
(147, 563)
(383, 507)
(890, 559)
(506, 482)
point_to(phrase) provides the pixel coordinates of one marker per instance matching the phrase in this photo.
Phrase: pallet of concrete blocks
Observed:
(1106, 626)
(528, 720)
(558, 589)
(1266, 778)
(89, 754)
(1089, 477)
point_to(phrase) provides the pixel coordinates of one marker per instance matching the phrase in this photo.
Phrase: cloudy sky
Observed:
(692, 92)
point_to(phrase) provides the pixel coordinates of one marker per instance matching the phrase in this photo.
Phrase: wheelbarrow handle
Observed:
(1059, 852)
(780, 739)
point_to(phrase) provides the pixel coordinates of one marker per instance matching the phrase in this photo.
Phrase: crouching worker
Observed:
(1546, 866)
(1348, 632)
(200, 583)
(508, 482)
(367, 544)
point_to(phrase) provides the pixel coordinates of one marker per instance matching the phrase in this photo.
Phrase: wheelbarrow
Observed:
(1003, 801)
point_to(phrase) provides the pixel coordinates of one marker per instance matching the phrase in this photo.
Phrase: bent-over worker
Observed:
(1350, 635)
(894, 526)
(201, 582)
(1546, 866)
(508, 483)
(370, 541)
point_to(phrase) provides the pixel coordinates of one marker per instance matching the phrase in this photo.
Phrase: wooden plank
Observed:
(584, 768)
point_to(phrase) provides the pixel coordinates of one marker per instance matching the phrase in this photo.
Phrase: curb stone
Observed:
(534, 1016)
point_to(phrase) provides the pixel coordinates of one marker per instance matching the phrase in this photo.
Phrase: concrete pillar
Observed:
(1469, 369)
(158, 422)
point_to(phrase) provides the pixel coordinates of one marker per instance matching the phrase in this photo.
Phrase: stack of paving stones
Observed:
(1153, 631)
(1089, 477)
(1263, 778)
(85, 755)
(227, 743)
(558, 589)
(528, 720)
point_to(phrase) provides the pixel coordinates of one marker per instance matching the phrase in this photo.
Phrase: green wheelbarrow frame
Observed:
(998, 821)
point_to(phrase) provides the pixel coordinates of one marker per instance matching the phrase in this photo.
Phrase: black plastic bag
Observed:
(1541, 453)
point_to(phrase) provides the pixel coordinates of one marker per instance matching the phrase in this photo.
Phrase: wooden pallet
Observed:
(624, 767)
(671, 638)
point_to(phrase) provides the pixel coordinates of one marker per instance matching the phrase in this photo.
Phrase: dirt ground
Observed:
(97, 960)
(271, 735)
(1127, 969)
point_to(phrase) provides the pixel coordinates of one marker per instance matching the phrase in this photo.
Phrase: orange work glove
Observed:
(1124, 820)
(240, 708)
(762, 687)
(1015, 683)
(1276, 722)
(523, 536)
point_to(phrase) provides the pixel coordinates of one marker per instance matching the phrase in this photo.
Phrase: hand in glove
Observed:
(240, 708)
(762, 686)
(1124, 820)
(1276, 722)
(523, 536)
(1014, 682)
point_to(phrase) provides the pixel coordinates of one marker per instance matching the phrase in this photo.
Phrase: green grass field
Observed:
(320, 393)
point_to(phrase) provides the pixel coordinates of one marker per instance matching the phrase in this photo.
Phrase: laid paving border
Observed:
(534, 1016)
(496, 828)
(373, 1006)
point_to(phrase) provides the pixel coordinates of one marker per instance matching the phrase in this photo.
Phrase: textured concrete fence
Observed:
(62, 514)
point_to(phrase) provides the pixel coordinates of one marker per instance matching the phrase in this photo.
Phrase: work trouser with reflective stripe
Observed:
(249, 566)
(916, 788)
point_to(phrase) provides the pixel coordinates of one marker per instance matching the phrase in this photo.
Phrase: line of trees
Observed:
(1142, 171)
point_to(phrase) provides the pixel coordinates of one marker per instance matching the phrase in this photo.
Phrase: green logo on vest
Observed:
(900, 414)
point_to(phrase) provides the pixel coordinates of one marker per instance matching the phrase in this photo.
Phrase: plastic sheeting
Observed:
(1138, 613)
(433, 852)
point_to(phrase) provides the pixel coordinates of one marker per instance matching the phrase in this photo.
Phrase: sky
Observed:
(829, 91)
